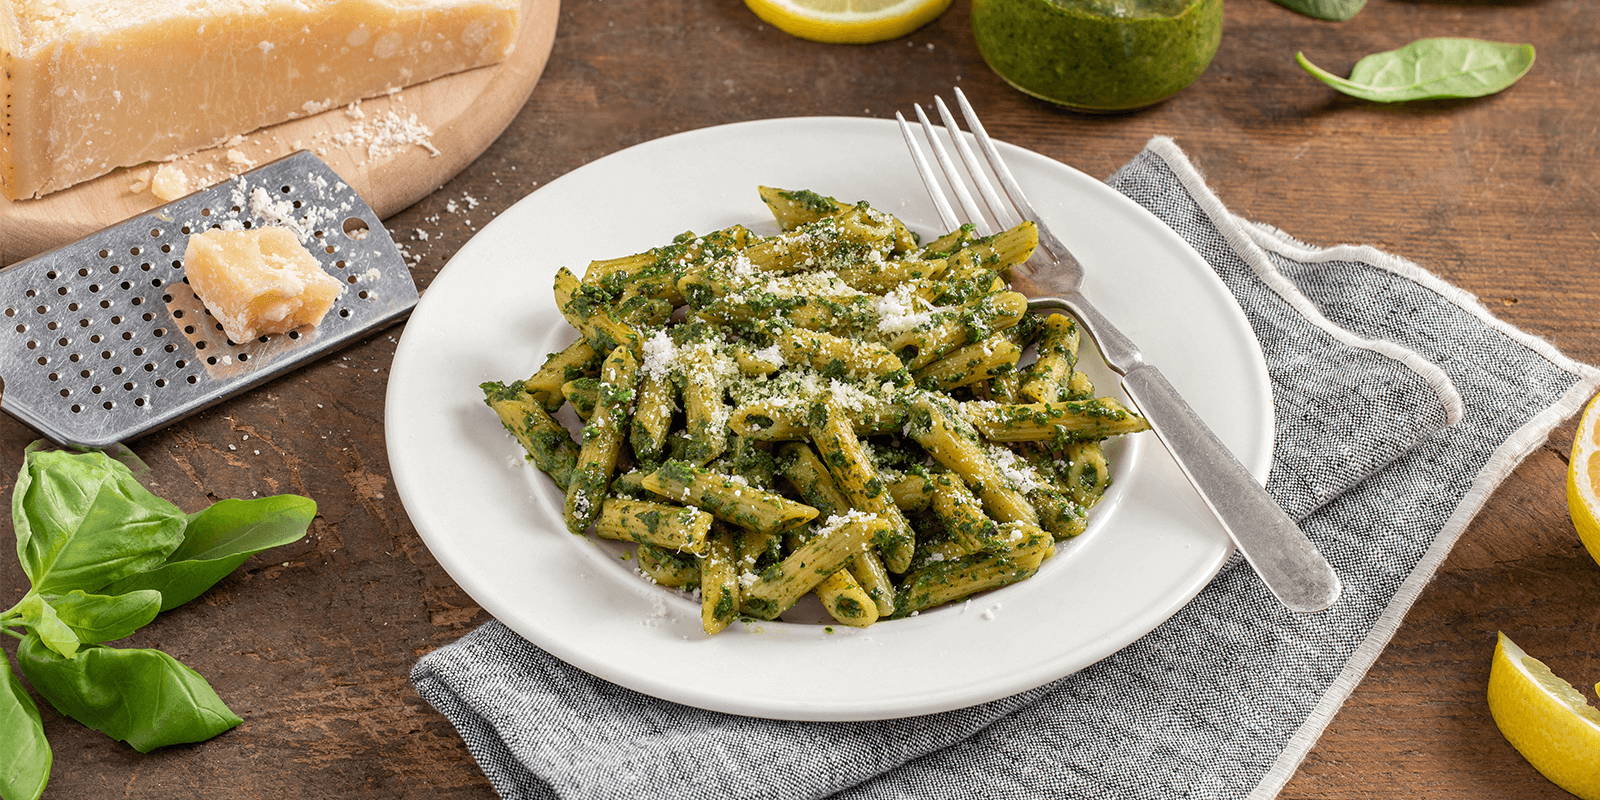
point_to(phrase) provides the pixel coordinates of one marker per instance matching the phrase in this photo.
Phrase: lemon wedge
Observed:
(1547, 720)
(847, 21)
(1583, 475)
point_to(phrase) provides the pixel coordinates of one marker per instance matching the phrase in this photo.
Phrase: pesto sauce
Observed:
(1098, 55)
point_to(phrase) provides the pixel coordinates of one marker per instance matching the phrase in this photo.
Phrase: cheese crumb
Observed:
(169, 183)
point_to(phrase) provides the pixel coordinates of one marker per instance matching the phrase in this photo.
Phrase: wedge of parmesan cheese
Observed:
(87, 86)
(258, 281)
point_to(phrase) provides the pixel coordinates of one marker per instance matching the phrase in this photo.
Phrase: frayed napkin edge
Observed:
(1497, 469)
(1252, 239)
(1238, 234)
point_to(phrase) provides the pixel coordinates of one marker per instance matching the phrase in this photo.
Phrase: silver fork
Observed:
(1287, 562)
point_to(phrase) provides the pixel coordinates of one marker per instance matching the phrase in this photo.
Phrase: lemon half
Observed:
(847, 21)
(1583, 475)
(1546, 719)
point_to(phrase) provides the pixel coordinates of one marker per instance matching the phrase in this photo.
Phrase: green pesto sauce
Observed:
(1098, 55)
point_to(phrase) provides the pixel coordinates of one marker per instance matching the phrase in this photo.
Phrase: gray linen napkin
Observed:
(1400, 403)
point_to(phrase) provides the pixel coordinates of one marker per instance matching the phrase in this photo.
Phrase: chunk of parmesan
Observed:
(87, 86)
(258, 281)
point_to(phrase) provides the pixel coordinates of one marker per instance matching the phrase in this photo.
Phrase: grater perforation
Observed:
(104, 340)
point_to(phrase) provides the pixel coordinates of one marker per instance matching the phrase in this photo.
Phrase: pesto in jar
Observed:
(1098, 55)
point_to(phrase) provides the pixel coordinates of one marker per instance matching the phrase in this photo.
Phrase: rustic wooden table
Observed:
(1497, 195)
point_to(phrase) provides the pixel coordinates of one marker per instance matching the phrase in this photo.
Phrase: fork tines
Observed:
(1006, 207)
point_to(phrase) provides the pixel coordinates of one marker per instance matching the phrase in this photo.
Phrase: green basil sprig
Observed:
(26, 767)
(1336, 10)
(217, 540)
(143, 697)
(104, 556)
(83, 521)
(1431, 69)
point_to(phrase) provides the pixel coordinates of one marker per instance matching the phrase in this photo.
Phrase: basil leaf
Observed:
(26, 766)
(82, 521)
(41, 618)
(219, 539)
(1431, 69)
(1336, 10)
(97, 618)
(143, 697)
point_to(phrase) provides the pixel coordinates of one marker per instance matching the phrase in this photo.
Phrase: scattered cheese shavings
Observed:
(386, 134)
(277, 212)
(838, 521)
(659, 611)
(770, 355)
(898, 312)
(659, 354)
(1017, 472)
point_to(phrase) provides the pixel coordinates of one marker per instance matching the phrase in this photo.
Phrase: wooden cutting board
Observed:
(465, 112)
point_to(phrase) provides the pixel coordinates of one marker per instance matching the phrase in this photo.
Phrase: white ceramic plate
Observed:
(494, 522)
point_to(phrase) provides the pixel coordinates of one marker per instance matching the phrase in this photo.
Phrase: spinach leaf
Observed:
(1431, 69)
(41, 618)
(26, 766)
(82, 521)
(143, 697)
(1336, 10)
(97, 618)
(219, 539)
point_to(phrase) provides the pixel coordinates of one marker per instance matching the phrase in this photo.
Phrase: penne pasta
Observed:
(833, 409)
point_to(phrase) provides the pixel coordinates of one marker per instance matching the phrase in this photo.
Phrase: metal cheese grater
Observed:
(103, 341)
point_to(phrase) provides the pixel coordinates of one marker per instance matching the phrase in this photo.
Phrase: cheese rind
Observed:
(258, 281)
(92, 85)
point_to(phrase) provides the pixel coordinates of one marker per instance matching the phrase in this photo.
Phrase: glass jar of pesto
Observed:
(1098, 55)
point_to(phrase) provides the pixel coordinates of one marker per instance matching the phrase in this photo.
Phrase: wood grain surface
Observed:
(1498, 195)
(464, 111)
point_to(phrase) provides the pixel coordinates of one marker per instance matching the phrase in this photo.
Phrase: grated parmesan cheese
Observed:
(1020, 474)
(659, 354)
(898, 312)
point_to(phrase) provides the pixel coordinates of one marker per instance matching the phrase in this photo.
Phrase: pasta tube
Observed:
(823, 554)
(941, 582)
(1046, 380)
(933, 428)
(523, 416)
(673, 527)
(728, 499)
(1068, 420)
(858, 479)
(719, 583)
(668, 567)
(602, 439)
(577, 360)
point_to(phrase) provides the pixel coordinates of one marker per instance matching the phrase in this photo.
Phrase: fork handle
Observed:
(1274, 545)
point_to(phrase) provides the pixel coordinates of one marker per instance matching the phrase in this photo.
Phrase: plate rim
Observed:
(644, 681)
